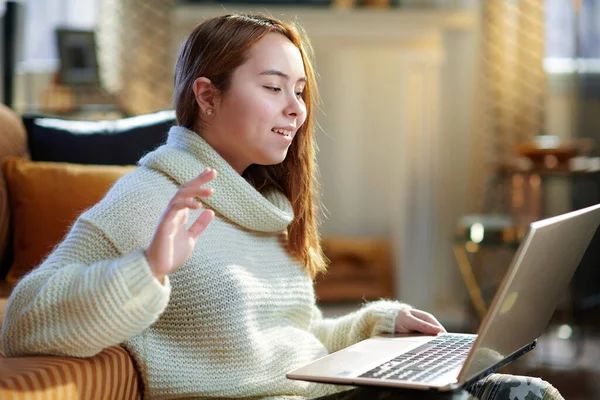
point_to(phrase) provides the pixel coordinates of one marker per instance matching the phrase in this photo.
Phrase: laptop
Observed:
(538, 276)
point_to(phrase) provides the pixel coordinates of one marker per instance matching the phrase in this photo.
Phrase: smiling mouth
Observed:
(283, 132)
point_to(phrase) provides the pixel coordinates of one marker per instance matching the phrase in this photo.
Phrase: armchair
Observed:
(110, 374)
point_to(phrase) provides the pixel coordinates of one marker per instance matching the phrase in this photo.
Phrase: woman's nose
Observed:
(295, 106)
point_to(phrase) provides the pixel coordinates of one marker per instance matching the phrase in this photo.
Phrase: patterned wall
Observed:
(135, 52)
(511, 88)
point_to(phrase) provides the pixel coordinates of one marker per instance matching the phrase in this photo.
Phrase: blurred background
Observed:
(446, 126)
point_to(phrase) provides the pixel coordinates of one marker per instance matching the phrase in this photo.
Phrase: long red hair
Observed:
(214, 49)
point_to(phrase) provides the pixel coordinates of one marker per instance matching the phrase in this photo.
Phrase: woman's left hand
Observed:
(412, 320)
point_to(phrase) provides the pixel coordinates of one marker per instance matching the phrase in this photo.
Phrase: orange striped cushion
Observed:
(108, 375)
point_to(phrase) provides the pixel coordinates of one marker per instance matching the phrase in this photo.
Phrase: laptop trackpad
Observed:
(370, 353)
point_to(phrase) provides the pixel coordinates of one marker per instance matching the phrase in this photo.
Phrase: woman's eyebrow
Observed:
(279, 73)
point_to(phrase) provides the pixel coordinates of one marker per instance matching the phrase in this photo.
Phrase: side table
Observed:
(476, 235)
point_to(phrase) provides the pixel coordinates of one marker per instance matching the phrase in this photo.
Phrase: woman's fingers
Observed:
(206, 176)
(425, 316)
(181, 203)
(417, 324)
(407, 321)
(173, 243)
(192, 192)
(201, 223)
(188, 194)
(176, 213)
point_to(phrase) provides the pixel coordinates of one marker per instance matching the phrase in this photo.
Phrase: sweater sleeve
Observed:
(84, 297)
(371, 319)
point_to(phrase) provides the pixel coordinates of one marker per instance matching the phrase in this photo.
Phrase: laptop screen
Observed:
(534, 283)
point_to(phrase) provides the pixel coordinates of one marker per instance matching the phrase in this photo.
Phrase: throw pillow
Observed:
(116, 142)
(45, 200)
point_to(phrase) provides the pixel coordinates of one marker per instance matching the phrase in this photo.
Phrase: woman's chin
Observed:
(274, 159)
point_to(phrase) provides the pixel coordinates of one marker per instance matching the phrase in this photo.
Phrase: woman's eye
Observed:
(299, 94)
(273, 89)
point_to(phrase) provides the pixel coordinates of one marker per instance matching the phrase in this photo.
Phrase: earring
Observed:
(209, 112)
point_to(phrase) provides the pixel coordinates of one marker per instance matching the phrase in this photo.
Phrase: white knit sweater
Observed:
(230, 322)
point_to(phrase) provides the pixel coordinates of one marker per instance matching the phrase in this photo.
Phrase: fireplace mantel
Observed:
(359, 23)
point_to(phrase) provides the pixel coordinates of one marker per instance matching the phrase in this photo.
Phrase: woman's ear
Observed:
(205, 94)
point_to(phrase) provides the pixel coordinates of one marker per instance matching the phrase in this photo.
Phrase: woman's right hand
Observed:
(173, 243)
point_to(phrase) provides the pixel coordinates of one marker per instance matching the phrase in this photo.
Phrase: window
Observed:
(41, 18)
(572, 36)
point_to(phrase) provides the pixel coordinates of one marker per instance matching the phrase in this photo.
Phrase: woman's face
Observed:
(256, 120)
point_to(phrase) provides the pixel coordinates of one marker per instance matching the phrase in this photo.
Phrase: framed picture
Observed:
(77, 53)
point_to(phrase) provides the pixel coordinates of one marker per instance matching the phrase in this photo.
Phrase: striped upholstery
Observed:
(108, 375)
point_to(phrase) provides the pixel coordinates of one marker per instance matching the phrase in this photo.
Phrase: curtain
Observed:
(135, 53)
(511, 90)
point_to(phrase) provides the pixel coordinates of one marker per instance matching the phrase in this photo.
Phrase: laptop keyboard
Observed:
(427, 361)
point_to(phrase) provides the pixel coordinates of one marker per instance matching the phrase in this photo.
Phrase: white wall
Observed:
(398, 92)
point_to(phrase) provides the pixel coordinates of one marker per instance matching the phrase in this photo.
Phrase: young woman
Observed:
(201, 262)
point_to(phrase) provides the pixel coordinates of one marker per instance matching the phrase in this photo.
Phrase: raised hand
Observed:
(173, 243)
(412, 320)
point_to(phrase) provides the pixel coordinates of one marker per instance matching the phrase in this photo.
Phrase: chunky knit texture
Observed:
(230, 322)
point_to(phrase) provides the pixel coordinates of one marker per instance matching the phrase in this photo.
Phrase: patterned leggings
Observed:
(492, 387)
(513, 387)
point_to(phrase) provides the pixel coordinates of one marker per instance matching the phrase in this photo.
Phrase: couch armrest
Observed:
(13, 142)
(108, 375)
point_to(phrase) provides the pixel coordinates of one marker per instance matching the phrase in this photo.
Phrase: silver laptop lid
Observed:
(538, 276)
